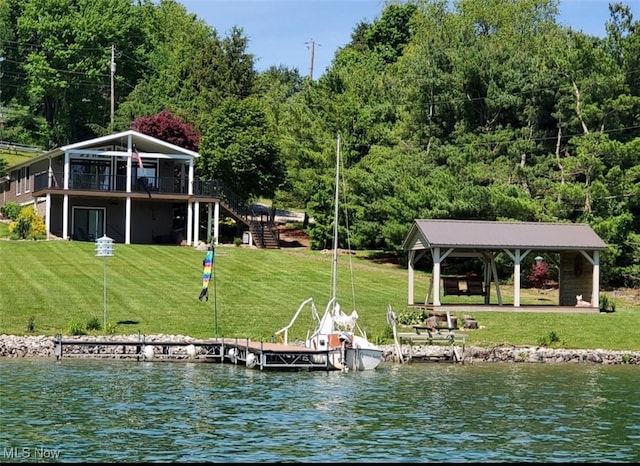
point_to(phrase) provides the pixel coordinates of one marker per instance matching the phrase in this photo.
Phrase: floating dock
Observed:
(219, 350)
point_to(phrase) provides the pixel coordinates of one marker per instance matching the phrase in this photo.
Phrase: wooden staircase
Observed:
(265, 235)
(261, 225)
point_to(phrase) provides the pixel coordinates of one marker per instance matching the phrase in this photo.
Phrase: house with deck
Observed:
(131, 187)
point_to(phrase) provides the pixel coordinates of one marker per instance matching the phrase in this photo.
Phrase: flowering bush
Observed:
(27, 225)
(539, 274)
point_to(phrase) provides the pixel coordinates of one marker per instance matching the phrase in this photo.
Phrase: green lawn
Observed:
(253, 293)
(14, 156)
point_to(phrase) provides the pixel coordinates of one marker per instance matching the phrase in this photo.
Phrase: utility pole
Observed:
(313, 46)
(113, 72)
(1, 115)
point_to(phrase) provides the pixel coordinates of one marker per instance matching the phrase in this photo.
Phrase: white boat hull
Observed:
(357, 359)
(360, 355)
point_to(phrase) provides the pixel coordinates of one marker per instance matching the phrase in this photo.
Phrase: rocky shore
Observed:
(44, 346)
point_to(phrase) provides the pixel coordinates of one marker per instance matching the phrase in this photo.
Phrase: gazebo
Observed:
(576, 243)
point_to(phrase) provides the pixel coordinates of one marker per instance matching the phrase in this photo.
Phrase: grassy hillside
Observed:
(253, 293)
(13, 155)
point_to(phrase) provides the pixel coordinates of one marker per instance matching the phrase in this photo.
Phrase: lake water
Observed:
(89, 410)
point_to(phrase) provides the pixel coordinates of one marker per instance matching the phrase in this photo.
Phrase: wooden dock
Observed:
(237, 351)
(428, 336)
(443, 337)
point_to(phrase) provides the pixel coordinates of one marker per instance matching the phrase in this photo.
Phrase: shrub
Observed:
(20, 228)
(75, 328)
(237, 241)
(11, 210)
(111, 328)
(551, 338)
(411, 317)
(387, 335)
(31, 324)
(28, 224)
(94, 324)
(606, 304)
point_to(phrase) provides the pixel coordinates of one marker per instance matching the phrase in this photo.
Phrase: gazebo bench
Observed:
(474, 287)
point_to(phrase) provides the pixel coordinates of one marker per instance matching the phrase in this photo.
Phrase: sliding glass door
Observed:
(88, 223)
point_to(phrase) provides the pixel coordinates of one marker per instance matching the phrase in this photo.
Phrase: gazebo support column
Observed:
(595, 279)
(435, 276)
(494, 272)
(517, 258)
(410, 265)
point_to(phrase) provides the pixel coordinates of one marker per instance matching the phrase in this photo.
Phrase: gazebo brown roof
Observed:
(471, 234)
(486, 239)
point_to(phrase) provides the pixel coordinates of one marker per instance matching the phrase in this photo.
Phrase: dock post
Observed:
(57, 349)
(458, 355)
(261, 355)
(139, 346)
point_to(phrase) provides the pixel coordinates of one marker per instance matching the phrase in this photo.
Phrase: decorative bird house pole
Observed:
(104, 249)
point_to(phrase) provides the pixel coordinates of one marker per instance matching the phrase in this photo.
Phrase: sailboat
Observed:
(338, 333)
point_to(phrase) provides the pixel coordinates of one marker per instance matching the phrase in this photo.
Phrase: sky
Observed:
(288, 32)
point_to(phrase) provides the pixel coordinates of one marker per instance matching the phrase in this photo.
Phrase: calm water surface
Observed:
(107, 410)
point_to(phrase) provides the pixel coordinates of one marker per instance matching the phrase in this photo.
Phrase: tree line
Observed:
(475, 109)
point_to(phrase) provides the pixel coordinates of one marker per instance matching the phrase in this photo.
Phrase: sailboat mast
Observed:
(335, 224)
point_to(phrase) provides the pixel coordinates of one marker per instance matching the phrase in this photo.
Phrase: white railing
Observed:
(285, 330)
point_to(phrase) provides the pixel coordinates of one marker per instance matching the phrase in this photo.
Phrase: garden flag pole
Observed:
(215, 301)
(207, 265)
(136, 157)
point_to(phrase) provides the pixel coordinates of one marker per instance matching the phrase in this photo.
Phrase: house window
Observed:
(18, 176)
(88, 223)
(90, 174)
(148, 173)
(27, 179)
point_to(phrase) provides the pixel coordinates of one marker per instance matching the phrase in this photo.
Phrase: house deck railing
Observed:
(110, 183)
(150, 185)
(118, 183)
(231, 201)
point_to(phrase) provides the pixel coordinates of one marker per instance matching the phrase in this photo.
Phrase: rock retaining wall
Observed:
(529, 354)
(43, 346)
